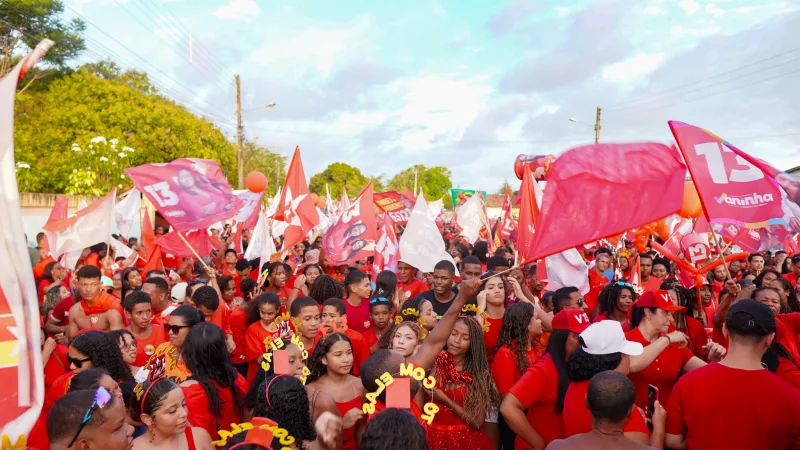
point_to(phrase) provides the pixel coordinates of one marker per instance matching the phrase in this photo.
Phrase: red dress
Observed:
(349, 435)
(199, 408)
(448, 431)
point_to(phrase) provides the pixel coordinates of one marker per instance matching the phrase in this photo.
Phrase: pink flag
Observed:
(352, 237)
(702, 226)
(89, 226)
(190, 193)
(199, 240)
(589, 185)
(22, 389)
(386, 249)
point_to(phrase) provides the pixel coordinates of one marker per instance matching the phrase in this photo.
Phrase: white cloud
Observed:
(632, 68)
(439, 11)
(246, 10)
(689, 6)
(679, 31)
(714, 10)
(654, 11)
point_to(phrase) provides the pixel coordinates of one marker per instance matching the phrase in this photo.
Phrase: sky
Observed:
(466, 84)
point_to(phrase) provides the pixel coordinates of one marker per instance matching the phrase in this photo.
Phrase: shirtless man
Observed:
(97, 309)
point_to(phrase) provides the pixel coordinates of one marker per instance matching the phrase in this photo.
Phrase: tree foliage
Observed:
(23, 23)
(85, 105)
(272, 165)
(340, 176)
(434, 182)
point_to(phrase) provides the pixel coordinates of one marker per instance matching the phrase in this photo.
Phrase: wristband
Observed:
(668, 339)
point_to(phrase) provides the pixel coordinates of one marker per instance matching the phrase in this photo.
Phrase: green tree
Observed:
(23, 23)
(340, 175)
(100, 166)
(84, 105)
(272, 165)
(434, 182)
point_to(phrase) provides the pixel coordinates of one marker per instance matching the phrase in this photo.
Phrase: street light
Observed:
(271, 105)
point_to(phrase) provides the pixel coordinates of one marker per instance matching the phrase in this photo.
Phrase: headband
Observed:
(270, 384)
(144, 397)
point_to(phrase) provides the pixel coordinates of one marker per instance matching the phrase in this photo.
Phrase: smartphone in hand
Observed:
(652, 396)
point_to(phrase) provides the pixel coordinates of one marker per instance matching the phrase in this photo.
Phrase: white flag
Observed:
(90, 226)
(126, 212)
(120, 249)
(273, 205)
(22, 390)
(567, 269)
(267, 249)
(421, 245)
(250, 201)
(471, 217)
(257, 239)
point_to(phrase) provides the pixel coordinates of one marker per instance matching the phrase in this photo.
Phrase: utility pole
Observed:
(415, 181)
(239, 131)
(597, 127)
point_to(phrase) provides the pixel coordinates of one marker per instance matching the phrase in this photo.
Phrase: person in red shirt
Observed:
(215, 392)
(614, 302)
(55, 275)
(306, 322)
(407, 281)
(494, 293)
(516, 349)
(647, 281)
(54, 359)
(542, 388)
(263, 324)
(206, 300)
(148, 336)
(358, 290)
(597, 279)
(380, 313)
(603, 347)
(710, 399)
(158, 290)
(651, 318)
(794, 270)
(238, 324)
(334, 318)
(227, 289)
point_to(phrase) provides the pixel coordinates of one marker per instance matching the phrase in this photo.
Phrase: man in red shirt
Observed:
(407, 281)
(794, 270)
(158, 290)
(148, 336)
(597, 279)
(738, 394)
(206, 300)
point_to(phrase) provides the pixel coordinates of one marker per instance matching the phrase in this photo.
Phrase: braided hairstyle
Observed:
(514, 333)
(325, 287)
(315, 365)
(206, 356)
(104, 353)
(481, 392)
(284, 400)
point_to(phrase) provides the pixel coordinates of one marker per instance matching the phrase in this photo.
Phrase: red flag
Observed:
(387, 249)
(397, 205)
(587, 186)
(60, 211)
(154, 260)
(296, 207)
(148, 235)
(701, 226)
(237, 237)
(89, 226)
(190, 193)
(528, 216)
(352, 237)
(199, 240)
(507, 225)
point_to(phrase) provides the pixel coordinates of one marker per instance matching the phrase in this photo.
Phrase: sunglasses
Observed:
(101, 399)
(77, 362)
(175, 328)
(581, 301)
(378, 299)
(627, 285)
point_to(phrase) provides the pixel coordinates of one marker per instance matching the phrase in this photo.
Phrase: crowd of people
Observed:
(298, 353)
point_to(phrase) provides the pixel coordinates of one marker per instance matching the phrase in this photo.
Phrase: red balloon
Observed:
(255, 181)
(695, 249)
(539, 165)
(691, 202)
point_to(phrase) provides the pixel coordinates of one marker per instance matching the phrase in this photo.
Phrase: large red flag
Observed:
(589, 186)
(148, 235)
(296, 207)
(199, 240)
(154, 260)
(528, 216)
(190, 193)
(352, 237)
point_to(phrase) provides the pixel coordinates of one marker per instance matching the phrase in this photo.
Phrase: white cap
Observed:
(179, 292)
(606, 337)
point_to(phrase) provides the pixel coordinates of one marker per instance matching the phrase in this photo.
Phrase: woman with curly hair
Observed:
(404, 338)
(161, 406)
(602, 347)
(464, 390)
(304, 281)
(420, 310)
(283, 399)
(325, 287)
(614, 302)
(215, 389)
(517, 348)
(394, 426)
(277, 275)
(330, 366)
(98, 349)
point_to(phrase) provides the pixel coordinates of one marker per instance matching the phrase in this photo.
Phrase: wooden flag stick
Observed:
(180, 235)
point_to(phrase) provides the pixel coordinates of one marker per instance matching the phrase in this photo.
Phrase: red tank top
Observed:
(189, 438)
(348, 435)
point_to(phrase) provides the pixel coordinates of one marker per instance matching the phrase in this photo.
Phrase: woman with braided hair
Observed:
(685, 321)
(614, 302)
(331, 365)
(325, 287)
(215, 390)
(283, 399)
(464, 391)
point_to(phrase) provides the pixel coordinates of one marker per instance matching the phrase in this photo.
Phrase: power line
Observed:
(703, 80)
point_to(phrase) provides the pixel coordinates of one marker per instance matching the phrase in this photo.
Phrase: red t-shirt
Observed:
(221, 318)
(661, 373)
(721, 407)
(698, 338)
(60, 312)
(537, 390)
(653, 284)
(413, 288)
(254, 346)
(358, 317)
(491, 335)
(504, 368)
(596, 284)
(200, 409)
(238, 325)
(45, 283)
(56, 366)
(360, 349)
(578, 418)
(791, 278)
(146, 347)
(370, 338)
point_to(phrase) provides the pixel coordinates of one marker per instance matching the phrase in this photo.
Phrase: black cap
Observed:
(750, 317)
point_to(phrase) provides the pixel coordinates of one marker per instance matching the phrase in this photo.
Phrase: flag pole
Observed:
(180, 235)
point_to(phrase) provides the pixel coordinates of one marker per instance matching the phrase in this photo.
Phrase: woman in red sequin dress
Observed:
(464, 391)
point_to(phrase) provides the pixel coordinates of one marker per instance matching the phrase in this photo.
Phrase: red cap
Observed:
(573, 320)
(660, 300)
